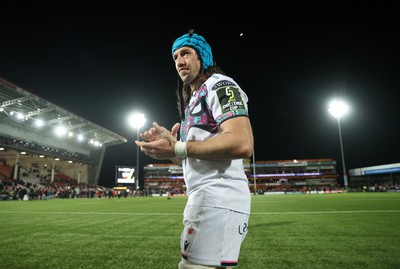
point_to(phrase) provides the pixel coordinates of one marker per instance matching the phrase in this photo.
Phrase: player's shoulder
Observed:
(217, 81)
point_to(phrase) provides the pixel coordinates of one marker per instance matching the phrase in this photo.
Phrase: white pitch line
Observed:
(92, 213)
(325, 212)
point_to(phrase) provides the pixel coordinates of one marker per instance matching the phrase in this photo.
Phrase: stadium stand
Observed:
(32, 154)
(265, 177)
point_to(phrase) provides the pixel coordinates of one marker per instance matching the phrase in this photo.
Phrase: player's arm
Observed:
(235, 141)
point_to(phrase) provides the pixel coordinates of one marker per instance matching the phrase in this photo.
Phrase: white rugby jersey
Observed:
(215, 183)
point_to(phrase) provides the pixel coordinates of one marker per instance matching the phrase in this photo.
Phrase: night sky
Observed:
(291, 60)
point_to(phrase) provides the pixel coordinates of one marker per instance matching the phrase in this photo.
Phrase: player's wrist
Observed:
(180, 150)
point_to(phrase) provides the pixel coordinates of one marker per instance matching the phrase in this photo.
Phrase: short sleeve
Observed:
(227, 100)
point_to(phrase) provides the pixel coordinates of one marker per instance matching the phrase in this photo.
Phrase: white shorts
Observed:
(213, 236)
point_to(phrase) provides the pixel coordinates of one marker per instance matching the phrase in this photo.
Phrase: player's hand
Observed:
(160, 142)
(158, 132)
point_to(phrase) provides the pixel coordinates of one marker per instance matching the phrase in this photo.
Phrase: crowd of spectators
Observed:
(17, 189)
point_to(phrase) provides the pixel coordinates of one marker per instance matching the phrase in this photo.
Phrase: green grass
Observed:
(352, 230)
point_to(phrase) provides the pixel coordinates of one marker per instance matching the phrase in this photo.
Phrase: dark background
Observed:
(107, 61)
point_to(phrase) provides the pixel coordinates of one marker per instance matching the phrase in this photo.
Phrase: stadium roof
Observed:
(19, 107)
(20, 113)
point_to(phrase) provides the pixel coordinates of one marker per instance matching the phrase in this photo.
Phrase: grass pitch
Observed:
(349, 230)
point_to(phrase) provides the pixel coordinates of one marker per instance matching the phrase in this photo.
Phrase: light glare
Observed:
(338, 108)
(137, 120)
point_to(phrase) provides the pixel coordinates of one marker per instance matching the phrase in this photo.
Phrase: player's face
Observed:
(187, 64)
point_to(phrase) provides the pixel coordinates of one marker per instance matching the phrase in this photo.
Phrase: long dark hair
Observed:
(183, 96)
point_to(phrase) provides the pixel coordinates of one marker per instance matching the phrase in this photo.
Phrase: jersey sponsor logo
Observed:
(230, 99)
(223, 83)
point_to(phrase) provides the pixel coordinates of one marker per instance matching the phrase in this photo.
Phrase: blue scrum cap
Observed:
(198, 43)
